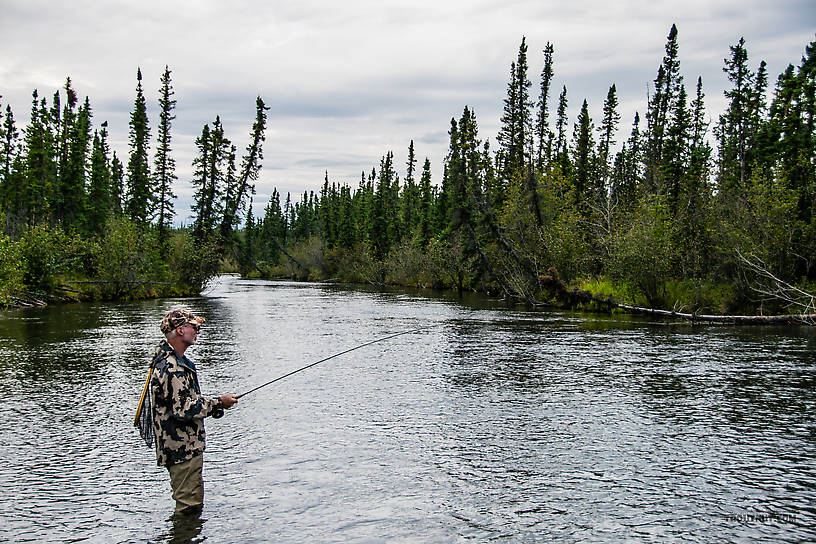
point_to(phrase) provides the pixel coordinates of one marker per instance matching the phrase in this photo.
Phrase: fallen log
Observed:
(118, 282)
(566, 297)
(789, 319)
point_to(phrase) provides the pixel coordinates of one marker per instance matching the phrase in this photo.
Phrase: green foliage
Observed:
(194, 262)
(761, 222)
(127, 258)
(407, 264)
(11, 273)
(46, 252)
(643, 254)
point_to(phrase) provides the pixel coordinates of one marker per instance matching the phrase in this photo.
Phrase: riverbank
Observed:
(48, 265)
(95, 291)
(751, 297)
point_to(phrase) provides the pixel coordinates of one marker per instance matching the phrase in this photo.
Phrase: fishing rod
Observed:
(270, 382)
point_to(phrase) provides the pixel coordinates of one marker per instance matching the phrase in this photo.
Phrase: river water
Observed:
(492, 424)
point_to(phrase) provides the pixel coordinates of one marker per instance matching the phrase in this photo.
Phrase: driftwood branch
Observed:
(771, 287)
(118, 282)
(790, 319)
(572, 297)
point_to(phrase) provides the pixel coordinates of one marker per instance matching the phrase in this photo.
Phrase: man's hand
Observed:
(228, 400)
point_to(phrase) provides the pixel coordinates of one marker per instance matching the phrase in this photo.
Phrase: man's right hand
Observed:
(228, 400)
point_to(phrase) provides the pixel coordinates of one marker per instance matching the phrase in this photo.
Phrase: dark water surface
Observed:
(492, 425)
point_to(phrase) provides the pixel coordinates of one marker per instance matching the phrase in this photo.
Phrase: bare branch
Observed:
(771, 287)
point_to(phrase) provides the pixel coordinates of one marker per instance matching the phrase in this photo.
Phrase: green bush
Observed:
(46, 252)
(643, 255)
(193, 263)
(11, 274)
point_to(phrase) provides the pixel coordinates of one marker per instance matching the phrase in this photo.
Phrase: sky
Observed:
(347, 82)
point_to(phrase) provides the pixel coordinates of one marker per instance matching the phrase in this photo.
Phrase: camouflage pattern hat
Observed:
(177, 318)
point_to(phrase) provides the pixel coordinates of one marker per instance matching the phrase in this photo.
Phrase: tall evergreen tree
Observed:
(40, 174)
(235, 194)
(410, 196)
(587, 192)
(738, 126)
(164, 163)
(561, 124)
(140, 200)
(212, 166)
(72, 192)
(543, 135)
(667, 86)
(676, 155)
(385, 218)
(700, 159)
(426, 192)
(695, 245)
(99, 192)
(64, 133)
(626, 178)
(609, 125)
(516, 133)
(117, 188)
(8, 144)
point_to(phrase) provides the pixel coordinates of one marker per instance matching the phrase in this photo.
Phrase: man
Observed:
(179, 410)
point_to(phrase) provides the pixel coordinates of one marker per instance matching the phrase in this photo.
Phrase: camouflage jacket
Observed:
(179, 408)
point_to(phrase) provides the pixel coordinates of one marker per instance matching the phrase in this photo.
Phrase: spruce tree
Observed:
(609, 125)
(738, 127)
(626, 179)
(676, 153)
(99, 192)
(235, 194)
(8, 144)
(40, 169)
(695, 241)
(410, 196)
(72, 193)
(561, 126)
(587, 193)
(64, 133)
(212, 167)
(164, 163)
(140, 200)
(325, 213)
(700, 159)
(516, 134)
(10, 182)
(426, 220)
(667, 86)
(117, 187)
(385, 229)
(543, 135)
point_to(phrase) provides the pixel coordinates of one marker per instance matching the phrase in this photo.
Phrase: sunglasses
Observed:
(196, 327)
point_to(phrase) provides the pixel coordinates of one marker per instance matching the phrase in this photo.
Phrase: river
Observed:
(491, 424)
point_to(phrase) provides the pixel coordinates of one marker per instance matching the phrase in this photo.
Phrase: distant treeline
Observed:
(666, 221)
(663, 219)
(80, 223)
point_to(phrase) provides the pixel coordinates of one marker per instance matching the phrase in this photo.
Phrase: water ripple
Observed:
(492, 425)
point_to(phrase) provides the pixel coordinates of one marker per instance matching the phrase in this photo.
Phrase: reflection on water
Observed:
(184, 529)
(493, 424)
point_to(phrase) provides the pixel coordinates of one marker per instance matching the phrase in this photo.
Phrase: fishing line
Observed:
(327, 358)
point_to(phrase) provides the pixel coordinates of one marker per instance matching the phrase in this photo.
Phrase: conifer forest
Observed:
(679, 208)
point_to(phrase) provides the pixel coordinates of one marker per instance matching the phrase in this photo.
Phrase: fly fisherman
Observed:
(174, 410)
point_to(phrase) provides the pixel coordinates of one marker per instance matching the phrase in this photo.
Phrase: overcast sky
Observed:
(348, 81)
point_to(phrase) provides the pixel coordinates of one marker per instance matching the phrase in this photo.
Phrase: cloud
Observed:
(347, 82)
